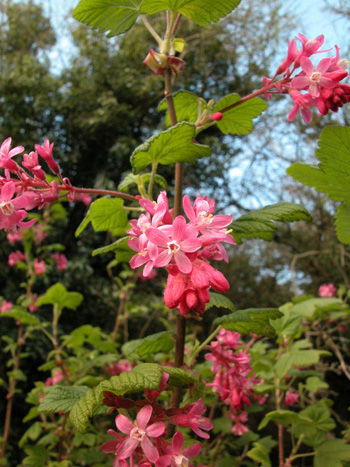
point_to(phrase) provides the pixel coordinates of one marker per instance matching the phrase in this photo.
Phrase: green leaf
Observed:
(239, 120)
(33, 433)
(201, 12)
(308, 308)
(160, 342)
(219, 301)
(105, 214)
(283, 417)
(113, 246)
(108, 214)
(332, 452)
(37, 456)
(332, 175)
(143, 376)
(58, 295)
(258, 224)
(168, 147)
(140, 180)
(186, 107)
(62, 398)
(259, 454)
(299, 358)
(17, 375)
(115, 16)
(19, 314)
(342, 223)
(250, 320)
(314, 384)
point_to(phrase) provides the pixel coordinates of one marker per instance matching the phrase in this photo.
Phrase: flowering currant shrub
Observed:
(182, 399)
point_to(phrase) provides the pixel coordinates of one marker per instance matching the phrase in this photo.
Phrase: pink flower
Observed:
(138, 433)
(60, 260)
(175, 456)
(30, 162)
(118, 368)
(309, 47)
(6, 153)
(315, 80)
(191, 291)
(11, 214)
(40, 233)
(16, 257)
(291, 397)
(45, 151)
(5, 306)
(302, 102)
(56, 377)
(32, 307)
(179, 240)
(192, 417)
(39, 266)
(238, 418)
(327, 290)
(15, 237)
(291, 56)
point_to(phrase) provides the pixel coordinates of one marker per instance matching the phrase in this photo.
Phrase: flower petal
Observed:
(182, 262)
(124, 424)
(150, 451)
(155, 430)
(143, 416)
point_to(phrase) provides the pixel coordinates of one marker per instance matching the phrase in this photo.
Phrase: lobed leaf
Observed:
(21, 315)
(259, 223)
(62, 398)
(332, 175)
(332, 452)
(168, 147)
(250, 320)
(115, 16)
(105, 214)
(140, 180)
(186, 107)
(239, 120)
(58, 295)
(118, 244)
(219, 301)
(202, 12)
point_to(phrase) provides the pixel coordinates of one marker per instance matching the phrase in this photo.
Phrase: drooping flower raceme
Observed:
(232, 380)
(313, 86)
(184, 248)
(23, 190)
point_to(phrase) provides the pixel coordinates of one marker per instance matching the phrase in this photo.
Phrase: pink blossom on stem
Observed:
(302, 102)
(31, 162)
(175, 456)
(6, 153)
(327, 290)
(291, 398)
(45, 151)
(315, 79)
(16, 257)
(32, 307)
(192, 417)
(179, 240)
(15, 237)
(39, 266)
(157, 62)
(239, 429)
(291, 56)
(138, 433)
(5, 306)
(118, 368)
(60, 260)
(11, 214)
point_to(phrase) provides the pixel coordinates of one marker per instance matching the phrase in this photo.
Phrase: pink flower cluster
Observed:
(232, 381)
(312, 87)
(145, 444)
(185, 248)
(327, 290)
(23, 190)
